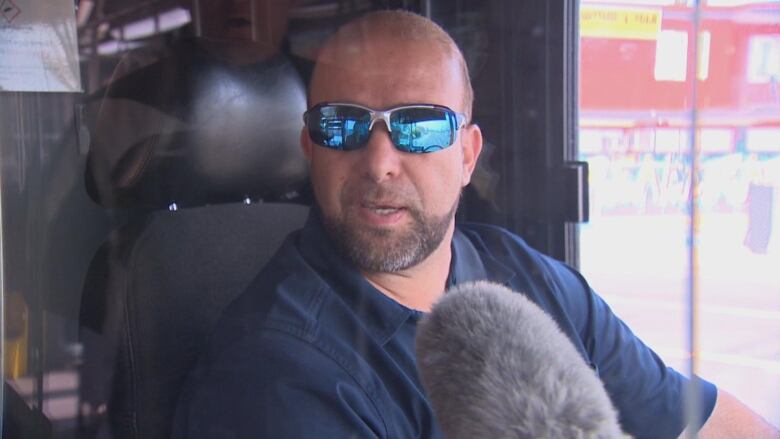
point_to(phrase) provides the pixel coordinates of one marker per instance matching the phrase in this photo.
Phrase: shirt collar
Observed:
(471, 264)
(381, 315)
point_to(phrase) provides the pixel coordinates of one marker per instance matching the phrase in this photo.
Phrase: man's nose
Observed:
(380, 159)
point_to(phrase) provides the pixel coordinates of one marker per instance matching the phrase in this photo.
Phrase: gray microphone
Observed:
(494, 365)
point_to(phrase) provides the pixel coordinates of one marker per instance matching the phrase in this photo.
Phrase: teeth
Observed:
(384, 211)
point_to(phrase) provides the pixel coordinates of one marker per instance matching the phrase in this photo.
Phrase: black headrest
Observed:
(194, 129)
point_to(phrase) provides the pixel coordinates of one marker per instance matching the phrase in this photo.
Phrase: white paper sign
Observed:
(671, 56)
(38, 49)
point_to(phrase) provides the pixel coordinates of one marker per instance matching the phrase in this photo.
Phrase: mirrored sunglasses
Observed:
(419, 128)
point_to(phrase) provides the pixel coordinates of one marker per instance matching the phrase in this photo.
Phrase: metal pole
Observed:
(692, 403)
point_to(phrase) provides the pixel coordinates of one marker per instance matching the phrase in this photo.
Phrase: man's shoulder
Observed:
(498, 242)
(289, 322)
(506, 246)
(550, 283)
(285, 296)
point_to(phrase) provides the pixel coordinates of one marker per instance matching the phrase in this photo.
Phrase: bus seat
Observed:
(201, 160)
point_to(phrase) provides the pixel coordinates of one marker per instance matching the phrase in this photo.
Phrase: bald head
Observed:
(374, 34)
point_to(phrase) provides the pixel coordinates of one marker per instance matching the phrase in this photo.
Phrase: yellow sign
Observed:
(629, 24)
(15, 336)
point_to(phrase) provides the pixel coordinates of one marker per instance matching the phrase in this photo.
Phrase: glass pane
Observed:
(115, 115)
(139, 143)
(638, 64)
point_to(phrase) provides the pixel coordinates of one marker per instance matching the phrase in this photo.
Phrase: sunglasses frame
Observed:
(384, 115)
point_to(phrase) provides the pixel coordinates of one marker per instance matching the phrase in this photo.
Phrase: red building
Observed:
(639, 63)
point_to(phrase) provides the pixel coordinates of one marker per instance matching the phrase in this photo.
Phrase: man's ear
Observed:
(306, 145)
(472, 147)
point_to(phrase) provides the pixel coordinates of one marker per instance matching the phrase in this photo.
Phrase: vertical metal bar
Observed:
(692, 404)
(570, 105)
(33, 278)
(195, 14)
(93, 77)
(253, 14)
(2, 304)
(426, 8)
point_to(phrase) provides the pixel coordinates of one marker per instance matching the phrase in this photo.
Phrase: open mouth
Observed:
(383, 209)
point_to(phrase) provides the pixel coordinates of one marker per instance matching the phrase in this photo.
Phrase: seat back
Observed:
(203, 156)
(163, 283)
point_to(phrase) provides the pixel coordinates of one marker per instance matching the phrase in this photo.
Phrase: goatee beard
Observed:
(384, 250)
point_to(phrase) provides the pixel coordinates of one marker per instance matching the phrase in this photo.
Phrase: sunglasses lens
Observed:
(339, 126)
(422, 129)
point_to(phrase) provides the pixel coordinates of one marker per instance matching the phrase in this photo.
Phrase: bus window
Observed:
(654, 82)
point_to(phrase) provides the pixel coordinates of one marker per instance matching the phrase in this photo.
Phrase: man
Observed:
(321, 345)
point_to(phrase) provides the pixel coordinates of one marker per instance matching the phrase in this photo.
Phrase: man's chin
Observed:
(387, 248)
(376, 237)
(379, 248)
(385, 232)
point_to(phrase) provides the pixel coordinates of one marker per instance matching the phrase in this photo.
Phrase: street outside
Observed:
(640, 265)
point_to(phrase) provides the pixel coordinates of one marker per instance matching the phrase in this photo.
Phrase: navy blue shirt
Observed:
(311, 349)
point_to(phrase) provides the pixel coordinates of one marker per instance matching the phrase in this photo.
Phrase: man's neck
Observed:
(418, 287)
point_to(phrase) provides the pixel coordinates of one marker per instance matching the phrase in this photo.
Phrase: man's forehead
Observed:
(401, 69)
(397, 65)
(381, 86)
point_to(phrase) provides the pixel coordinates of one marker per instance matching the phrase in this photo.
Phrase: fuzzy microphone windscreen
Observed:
(494, 365)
